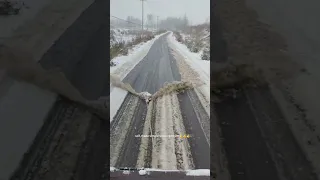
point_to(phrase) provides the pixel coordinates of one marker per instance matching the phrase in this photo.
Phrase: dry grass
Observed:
(172, 87)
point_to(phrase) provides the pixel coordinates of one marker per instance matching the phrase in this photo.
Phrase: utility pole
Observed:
(157, 23)
(142, 13)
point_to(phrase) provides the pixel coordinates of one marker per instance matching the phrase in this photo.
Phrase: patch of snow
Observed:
(183, 36)
(194, 172)
(126, 172)
(116, 98)
(193, 59)
(161, 170)
(142, 172)
(199, 172)
(146, 96)
(112, 169)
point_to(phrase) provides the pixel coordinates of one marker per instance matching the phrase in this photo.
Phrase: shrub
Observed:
(117, 48)
(112, 63)
(206, 54)
(195, 49)
(178, 37)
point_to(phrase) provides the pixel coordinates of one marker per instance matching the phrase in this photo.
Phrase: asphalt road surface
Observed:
(169, 115)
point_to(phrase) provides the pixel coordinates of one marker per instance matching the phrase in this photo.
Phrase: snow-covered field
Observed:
(124, 64)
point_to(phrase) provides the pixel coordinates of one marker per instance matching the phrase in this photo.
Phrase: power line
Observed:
(125, 20)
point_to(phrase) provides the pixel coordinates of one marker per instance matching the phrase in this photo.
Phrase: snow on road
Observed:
(170, 153)
(167, 153)
(200, 67)
(199, 172)
(124, 64)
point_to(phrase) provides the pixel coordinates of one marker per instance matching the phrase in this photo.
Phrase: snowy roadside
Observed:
(201, 67)
(194, 59)
(124, 64)
(197, 39)
(123, 40)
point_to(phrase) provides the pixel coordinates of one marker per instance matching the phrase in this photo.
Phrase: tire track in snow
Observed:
(170, 152)
(120, 126)
(202, 117)
(188, 74)
(184, 157)
(143, 159)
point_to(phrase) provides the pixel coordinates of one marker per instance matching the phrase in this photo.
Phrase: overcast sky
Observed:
(198, 11)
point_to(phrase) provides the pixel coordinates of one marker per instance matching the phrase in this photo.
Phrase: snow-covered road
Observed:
(148, 68)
